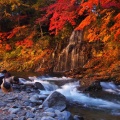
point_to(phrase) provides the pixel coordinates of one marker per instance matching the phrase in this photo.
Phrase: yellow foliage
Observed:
(106, 37)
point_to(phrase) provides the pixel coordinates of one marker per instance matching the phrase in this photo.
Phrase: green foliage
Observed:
(12, 54)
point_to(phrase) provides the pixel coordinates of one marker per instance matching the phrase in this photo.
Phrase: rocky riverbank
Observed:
(26, 103)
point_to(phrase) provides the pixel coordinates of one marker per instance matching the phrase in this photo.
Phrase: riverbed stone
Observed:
(30, 114)
(21, 113)
(47, 118)
(67, 115)
(76, 117)
(35, 99)
(42, 97)
(49, 110)
(14, 110)
(56, 101)
(22, 118)
(51, 114)
(2, 104)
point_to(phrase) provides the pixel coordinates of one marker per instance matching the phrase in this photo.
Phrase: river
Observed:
(102, 105)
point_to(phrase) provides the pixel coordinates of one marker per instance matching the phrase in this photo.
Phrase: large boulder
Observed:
(56, 101)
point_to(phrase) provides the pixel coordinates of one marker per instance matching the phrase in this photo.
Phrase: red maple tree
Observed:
(60, 13)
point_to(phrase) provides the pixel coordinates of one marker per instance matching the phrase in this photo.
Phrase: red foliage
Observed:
(0, 46)
(3, 36)
(66, 11)
(111, 4)
(24, 43)
(62, 11)
(0, 41)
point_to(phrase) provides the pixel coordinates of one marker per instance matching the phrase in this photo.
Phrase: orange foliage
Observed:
(86, 22)
(116, 27)
(93, 34)
(8, 47)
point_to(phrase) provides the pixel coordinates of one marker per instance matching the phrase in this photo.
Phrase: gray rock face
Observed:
(56, 101)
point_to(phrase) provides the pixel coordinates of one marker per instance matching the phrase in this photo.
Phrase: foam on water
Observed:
(110, 87)
(69, 90)
(48, 78)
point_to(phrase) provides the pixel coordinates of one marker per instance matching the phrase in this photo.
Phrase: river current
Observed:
(101, 105)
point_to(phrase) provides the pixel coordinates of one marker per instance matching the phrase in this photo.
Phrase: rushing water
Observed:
(103, 105)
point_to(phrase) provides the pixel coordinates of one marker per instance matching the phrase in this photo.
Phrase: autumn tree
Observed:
(60, 13)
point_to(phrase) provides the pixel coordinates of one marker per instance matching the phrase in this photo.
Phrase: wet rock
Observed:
(35, 99)
(47, 118)
(27, 102)
(12, 98)
(2, 104)
(22, 118)
(56, 101)
(95, 86)
(30, 114)
(76, 117)
(10, 117)
(49, 110)
(51, 114)
(14, 110)
(31, 119)
(42, 97)
(57, 112)
(33, 104)
(21, 113)
(67, 115)
(38, 85)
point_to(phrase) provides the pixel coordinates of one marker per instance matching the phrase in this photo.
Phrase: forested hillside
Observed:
(34, 32)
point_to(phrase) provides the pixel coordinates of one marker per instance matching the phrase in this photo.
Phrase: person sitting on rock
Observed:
(11, 79)
(4, 74)
(6, 86)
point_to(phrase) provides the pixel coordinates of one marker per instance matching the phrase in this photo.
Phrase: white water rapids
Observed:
(69, 90)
